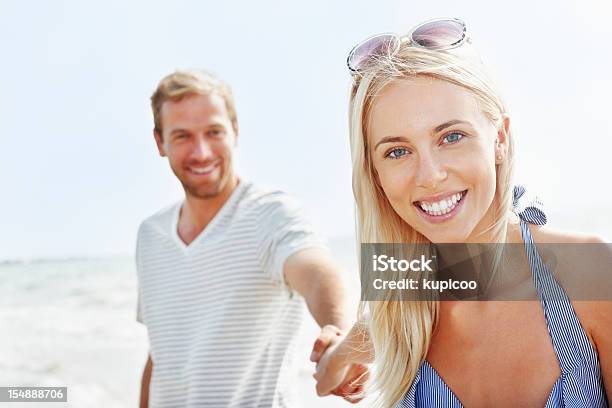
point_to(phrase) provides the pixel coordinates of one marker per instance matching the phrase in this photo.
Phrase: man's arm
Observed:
(146, 380)
(316, 276)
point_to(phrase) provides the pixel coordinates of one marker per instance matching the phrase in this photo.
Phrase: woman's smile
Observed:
(442, 208)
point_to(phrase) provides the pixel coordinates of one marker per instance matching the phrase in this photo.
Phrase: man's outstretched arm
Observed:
(316, 276)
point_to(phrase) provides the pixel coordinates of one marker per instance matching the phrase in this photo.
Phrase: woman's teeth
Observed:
(443, 206)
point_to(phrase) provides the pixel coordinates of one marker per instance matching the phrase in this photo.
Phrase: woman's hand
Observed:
(336, 373)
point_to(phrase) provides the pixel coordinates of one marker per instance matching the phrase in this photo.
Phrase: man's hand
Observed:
(336, 374)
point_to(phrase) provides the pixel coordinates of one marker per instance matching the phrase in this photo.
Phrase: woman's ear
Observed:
(502, 140)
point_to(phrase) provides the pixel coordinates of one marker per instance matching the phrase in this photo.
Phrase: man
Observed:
(225, 274)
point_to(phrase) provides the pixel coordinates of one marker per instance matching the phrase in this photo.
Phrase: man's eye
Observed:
(397, 153)
(215, 132)
(181, 136)
(452, 138)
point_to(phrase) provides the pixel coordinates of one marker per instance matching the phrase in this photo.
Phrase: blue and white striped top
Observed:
(580, 383)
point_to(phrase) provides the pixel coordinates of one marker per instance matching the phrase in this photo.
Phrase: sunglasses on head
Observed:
(439, 34)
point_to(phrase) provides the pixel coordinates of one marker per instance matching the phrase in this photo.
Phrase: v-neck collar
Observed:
(434, 373)
(186, 248)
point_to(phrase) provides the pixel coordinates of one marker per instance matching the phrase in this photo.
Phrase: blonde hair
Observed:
(401, 331)
(182, 83)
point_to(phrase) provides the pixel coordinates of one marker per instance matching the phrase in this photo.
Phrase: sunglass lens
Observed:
(368, 51)
(441, 33)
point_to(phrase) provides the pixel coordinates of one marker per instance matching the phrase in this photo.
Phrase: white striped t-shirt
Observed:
(222, 323)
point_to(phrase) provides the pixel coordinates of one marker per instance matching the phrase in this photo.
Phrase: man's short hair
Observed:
(182, 83)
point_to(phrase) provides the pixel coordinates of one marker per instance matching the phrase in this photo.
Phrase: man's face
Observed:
(198, 137)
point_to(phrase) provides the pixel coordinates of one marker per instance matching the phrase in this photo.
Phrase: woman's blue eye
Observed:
(397, 153)
(453, 137)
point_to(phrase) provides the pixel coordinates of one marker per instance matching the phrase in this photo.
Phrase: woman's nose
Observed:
(431, 171)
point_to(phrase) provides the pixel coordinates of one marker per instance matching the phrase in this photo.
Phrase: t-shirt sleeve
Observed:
(282, 231)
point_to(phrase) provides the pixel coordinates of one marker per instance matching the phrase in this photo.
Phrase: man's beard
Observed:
(207, 191)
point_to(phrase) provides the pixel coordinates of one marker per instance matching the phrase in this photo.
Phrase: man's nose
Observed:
(431, 171)
(201, 149)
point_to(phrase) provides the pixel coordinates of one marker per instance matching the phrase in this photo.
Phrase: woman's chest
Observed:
(495, 353)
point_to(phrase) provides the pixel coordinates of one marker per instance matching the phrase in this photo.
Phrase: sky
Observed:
(79, 169)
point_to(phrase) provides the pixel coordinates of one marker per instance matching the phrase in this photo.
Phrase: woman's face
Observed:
(435, 153)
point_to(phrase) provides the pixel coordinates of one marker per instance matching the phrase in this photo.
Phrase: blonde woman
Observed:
(432, 155)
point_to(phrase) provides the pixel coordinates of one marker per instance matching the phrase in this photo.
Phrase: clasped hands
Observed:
(336, 373)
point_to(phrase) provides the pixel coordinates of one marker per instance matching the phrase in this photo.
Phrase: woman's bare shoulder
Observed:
(549, 235)
(582, 267)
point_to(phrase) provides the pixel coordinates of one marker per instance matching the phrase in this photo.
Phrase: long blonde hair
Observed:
(401, 331)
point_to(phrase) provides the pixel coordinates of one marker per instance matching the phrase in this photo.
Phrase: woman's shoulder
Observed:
(581, 264)
(573, 257)
(544, 234)
(548, 235)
